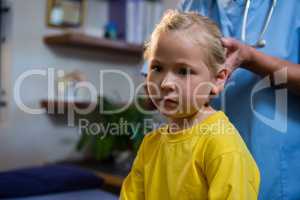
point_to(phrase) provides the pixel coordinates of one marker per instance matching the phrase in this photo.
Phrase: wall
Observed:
(26, 139)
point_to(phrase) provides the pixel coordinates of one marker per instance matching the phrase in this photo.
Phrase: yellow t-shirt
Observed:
(207, 161)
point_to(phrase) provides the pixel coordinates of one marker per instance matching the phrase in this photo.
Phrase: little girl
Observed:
(198, 154)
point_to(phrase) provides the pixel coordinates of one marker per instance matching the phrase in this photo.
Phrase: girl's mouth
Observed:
(169, 102)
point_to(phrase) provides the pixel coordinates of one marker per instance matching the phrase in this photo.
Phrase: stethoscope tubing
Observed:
(260, 43)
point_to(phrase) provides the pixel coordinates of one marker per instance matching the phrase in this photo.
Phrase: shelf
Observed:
(92, 42)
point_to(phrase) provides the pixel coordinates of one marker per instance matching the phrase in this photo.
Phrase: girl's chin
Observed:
(174, 110)
(175, 114)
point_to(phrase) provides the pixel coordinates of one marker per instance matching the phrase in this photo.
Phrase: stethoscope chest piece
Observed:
(260, 43)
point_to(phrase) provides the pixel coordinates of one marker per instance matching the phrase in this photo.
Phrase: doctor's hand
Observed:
(238, 54)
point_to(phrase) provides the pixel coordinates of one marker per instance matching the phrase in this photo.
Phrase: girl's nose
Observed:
(169, 82)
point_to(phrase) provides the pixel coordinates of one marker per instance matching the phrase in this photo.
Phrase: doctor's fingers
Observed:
(237, 53)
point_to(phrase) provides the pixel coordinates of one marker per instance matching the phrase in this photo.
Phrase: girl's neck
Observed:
(178, 124)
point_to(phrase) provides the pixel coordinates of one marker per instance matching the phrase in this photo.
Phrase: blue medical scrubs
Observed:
(267, 118)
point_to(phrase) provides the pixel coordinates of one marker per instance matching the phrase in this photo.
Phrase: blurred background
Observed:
(70, 41)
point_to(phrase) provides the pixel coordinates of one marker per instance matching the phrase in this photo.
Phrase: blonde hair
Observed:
(207, 35)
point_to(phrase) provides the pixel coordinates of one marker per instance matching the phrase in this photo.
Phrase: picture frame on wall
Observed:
(65, 13)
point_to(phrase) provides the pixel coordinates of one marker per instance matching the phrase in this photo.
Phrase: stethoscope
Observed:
(261, 42)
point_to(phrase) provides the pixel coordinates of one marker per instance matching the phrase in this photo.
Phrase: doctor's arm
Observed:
(239, 54)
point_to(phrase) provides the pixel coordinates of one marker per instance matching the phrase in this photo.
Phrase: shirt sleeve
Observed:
(199, 6)
(133, 185)
(182, 5)
(231, 177)
(144, 70)
(298, 29)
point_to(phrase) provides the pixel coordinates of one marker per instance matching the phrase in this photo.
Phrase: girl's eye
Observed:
(156, 68)
(184, 71)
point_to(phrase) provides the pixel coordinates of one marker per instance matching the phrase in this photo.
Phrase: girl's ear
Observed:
(221, 79)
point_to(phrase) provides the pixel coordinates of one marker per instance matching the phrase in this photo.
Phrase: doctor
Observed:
(262, 96)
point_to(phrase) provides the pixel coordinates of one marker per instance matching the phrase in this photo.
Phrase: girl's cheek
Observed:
(153, 93)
